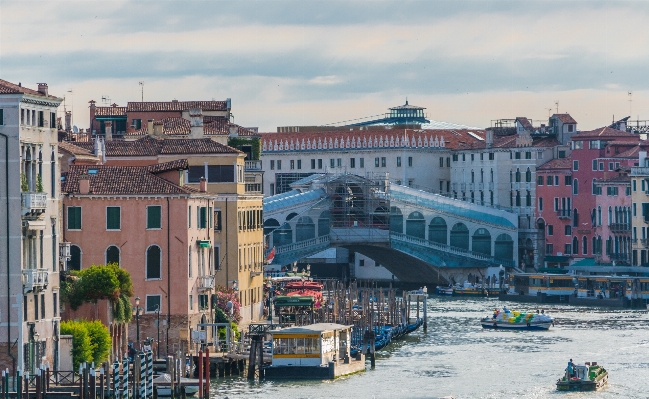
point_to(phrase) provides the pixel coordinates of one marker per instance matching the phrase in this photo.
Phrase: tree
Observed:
(100, 340)
(81, 344)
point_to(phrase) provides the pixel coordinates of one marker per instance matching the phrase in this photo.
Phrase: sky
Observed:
(287, 63)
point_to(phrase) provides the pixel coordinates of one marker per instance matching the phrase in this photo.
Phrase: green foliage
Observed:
(100, 339)
(23, 183)
(81, 344)
(100, 282)
(39, 183)
(237, 142)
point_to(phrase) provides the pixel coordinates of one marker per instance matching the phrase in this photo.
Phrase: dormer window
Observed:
(571, 128)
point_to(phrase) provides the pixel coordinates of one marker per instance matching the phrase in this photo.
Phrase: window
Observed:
(291, 164)
(217, 258)
(528, 198)
(549, 249)
(153, 263)
(352, 162)
(568, 230)
(191, 302)
(361, 162)
(112, 254)
(113, 218)
(190, 266)
(634, 185)
(189, 217)
(575, 187)
(55, 304)
(299, 164)
(562, 154)
(201, 217)
(584, 249)
(279, 164)
(567, 249)
(556, 180)
(455, 157)
(41, 119)
(594, 164)
(137, 124)
(2, 116)
(376, 162)
(339, 162)
(540, 204)
(539, 181)
(35, 306)
(472, 157)
(550, 230)
(463, 157)
(272, 188)
(313, 164)
(575, 165)
(154, 217)
(549, 180)
(383, 162)
(570, 128)
(361, 262)
(491, 156)
(610, 166)
(528, 175)
(528, 155)
(74, 218)
(441, 161)
(634, 209)
(601, 166)
(398, 162)
(319, 163)
(153, 303)
(332, 163)
(577, 145)
(482, 156)
(217, 220)
(517, 155)
(225, 173)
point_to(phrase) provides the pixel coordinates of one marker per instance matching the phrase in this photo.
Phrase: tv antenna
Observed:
(142, 84)
(105, 99)
(549, 112)
(557, 104)
(630, 103)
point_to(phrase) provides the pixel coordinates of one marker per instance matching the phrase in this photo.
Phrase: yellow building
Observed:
(640, 211)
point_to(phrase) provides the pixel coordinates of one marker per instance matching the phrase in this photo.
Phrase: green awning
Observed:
(585, 262)
(557, 259)
(204, 243)
(553, 270)
(293, 301)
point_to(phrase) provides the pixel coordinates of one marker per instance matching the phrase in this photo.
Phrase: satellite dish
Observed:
(75, 129)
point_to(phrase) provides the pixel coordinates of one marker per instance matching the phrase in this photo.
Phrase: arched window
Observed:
(304, 229)
(575, 218)
(53, 175)
(154, 263)
(594, 188)
(396, 220)
(599, 215)
(437, 231)
(472, 176)
(595, 246)
(575, 187)
(528, 175)
(518, 175)
(492, 175)
(504, 247)
(416, 225)
(481, 176)
(610, 216)
(74, 263)
(481, 241)
(491, 197)
(112, 254)
(575, 246)
(460, 236)
(528, 198)
(323, 224)
(584, 247)
(518, 198)
(190, 266)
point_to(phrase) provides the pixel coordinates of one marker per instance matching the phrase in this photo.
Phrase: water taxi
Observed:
(513, 320)
(588, 377)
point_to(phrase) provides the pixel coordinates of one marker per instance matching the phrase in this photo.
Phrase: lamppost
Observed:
(137, 321)
(308, 270)
(271, 289)
(501, 277)
(294, 268)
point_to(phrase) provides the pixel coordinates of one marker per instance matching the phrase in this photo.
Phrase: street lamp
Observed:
(308, 270)
(137, 320)
(501, 275)
(295, 267)
(271, 289)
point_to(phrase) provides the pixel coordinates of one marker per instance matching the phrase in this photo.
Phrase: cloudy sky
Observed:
(307, 62)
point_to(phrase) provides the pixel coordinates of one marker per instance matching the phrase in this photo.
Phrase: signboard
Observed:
(198, 336)
(583, 231)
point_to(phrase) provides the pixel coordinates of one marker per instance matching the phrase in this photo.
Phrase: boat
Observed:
(444, 290)
(513, 320)
(587, 377)
(467, 289)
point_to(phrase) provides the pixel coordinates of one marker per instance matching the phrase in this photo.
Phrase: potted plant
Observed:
(24, 187)
(39, 184)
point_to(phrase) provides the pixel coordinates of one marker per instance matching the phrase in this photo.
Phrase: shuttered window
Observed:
(154, 217)
(74, 218)
(153, 267)
(113, 218)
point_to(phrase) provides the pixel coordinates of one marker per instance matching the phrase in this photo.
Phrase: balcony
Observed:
(563, 213)
(621, 258)
(33, 204)
(620, 228)
(35, 280)
(205, 283)
(64, 252)
(253, 166)
(253, 188)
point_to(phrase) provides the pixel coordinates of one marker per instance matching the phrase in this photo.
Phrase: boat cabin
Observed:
(311, 345)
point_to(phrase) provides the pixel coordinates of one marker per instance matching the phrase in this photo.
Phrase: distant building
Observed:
(30, 228)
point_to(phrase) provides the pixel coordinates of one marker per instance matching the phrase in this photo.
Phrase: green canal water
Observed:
(457, 357)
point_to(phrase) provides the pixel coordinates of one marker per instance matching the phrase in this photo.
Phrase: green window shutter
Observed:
(154, 217)
(203, 217)
(113, 218)
(153, 262)
(74, 218)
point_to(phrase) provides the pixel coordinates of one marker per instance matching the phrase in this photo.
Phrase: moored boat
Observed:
(513, 320)
(587, 377)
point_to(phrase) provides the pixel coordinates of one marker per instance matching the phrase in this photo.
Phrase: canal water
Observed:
(457, 357)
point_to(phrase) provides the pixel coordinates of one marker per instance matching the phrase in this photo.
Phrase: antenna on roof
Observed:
(142, 84)
(105, 99)
(630, 101)
(549, 112)
(557, 104)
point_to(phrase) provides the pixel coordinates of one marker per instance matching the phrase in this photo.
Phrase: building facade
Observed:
(30, 228)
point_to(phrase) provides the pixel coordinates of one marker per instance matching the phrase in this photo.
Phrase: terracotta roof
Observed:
(558, 163)
(110, 111)
(176, 106)
(603, 132)
(217, 126)
(178, 164)
(7, 87)
(633, 152)
(565, 118)
(434, 138)
(119, 180)
(74, 149)
(623, 178)
(510, 142)
(149, 146)
(525, 122)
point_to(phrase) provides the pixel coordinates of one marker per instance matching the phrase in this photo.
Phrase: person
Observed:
(571, 368)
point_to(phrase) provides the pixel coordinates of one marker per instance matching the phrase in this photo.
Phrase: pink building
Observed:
(139, 217)
(613, 219)
(554, 206)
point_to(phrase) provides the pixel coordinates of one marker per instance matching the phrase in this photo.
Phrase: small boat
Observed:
(587, 377)
(444, 290)
(513, 320)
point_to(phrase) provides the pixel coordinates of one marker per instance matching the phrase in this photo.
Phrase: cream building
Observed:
(30, 256)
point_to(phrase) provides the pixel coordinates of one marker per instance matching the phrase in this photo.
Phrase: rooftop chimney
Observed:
(203, 185)
(84, 184)
(196, 123)
(109, 130)
(149, 126)
(489, 138)
(158, 128)
(42, 88)
(234, 131)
